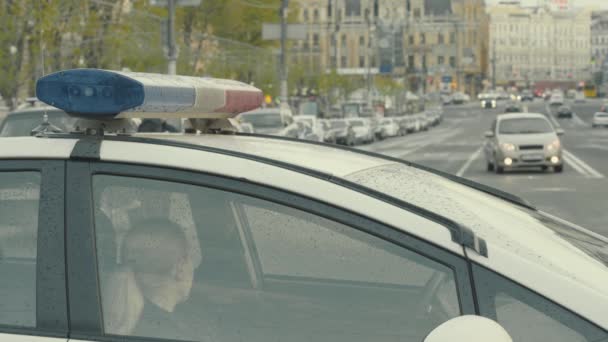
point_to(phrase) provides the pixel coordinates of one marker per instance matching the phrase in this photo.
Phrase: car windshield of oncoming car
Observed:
(482, 212)
(524, 126)
(263, 120)
(22, 124)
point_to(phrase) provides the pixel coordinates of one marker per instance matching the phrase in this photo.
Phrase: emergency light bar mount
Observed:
(104, 99)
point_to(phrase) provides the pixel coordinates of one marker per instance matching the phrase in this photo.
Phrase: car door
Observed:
(32, 265)
(233, 261)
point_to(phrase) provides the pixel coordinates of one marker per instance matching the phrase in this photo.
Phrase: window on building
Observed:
(361, 62)
(315, 15)
(361, 41)
(352, 8)
(343, 61)
(452, 37)
(411, 39)
(305, 14)
(343, 41)
(422, 38)
(410, 61)
(424, 62)
(315, 40)
(452, 61)
(417, 13)
(440, 38)
(440, 60)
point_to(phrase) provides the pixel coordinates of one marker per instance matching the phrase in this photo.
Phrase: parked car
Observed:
(556, 100)
(345, 135)
(513, 107)
(363, 130)
(579, 97)
(271, 121)
(306, 132)
(488, 101)
(314, 123)
(459, 98)
(329, 132)
(26, 121)
(389, 127)
(245, 127)
(523, 140)
(527, 95)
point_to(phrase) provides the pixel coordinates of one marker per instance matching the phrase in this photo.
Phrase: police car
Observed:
(107, 235)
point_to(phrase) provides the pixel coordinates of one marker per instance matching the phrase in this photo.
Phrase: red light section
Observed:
(239, 101)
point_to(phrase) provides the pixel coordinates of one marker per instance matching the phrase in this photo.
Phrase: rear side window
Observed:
(527, 316)
(19, 201)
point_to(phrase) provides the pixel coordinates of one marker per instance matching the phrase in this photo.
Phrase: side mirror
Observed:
(560, 131)
(488, 134)
(469, 328)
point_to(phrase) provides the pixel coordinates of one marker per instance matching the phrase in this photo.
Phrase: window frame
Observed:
(89, 326)
(487, 309)
(51, 298)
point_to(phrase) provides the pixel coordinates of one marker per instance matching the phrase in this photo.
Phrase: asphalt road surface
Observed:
(579, 194)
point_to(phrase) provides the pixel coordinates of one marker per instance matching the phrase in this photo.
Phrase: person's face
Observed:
(184, 277)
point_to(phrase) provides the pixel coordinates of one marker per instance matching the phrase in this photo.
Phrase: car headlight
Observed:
(554, 145)
(493, 102)
(507, 147)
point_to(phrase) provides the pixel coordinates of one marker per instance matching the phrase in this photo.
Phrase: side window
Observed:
(19, 200)
(527, 316)
(185, 262)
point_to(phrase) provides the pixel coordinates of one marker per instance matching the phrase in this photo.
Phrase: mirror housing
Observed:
(469, 328)
(560, 131)
(488, 134)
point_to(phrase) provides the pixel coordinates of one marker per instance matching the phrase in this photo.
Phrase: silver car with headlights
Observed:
(523, 140)
(599, 119)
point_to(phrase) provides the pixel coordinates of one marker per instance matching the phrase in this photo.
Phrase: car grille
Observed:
(531, 147)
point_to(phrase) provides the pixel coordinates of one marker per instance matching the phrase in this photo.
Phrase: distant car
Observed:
(513, 107)
(556, 100)
(363, 130)
(488, 101)
(23, 122)
(564, 112)
(579, 97)
(330, 133)
(503, 95)
(345, 135)
(388, 128)
(571, 94)
(604, 107)
(527, 95)
(523, 140)
(599, 119)
(446, 99)
(305, 131)
(314, 123)
(459, 98)
(271, 121)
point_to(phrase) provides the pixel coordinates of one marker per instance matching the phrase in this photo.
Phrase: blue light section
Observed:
(90, 92)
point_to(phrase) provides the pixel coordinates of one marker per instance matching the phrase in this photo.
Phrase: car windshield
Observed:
(524, 126)
(263, 120)
(22, 124)
(306, 120)
(351, 109)
(356, 123)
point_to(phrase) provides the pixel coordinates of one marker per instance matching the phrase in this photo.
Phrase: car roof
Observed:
(30, 110)
(500, 223)
(520, 116)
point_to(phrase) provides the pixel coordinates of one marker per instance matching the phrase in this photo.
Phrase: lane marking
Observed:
(555, 189)
(579, 121)
(469, 161)
(438, 141)
(575, 166)
(591, 171)
(551, 116)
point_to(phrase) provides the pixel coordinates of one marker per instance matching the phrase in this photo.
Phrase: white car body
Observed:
(556, 100)
(314, 123)
(600, 119)
(389, 127)
(518, 246)
(362, 128)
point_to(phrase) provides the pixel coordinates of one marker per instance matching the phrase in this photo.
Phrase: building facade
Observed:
(531, 44)
(427, 45)
(599, 39)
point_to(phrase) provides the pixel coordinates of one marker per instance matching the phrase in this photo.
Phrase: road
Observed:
(579, 194)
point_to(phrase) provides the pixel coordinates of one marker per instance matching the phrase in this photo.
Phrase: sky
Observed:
(576, 3)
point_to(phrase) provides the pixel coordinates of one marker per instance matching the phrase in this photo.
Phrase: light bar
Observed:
(95, 93)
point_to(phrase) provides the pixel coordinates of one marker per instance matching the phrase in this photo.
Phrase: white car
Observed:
(314, 123)
(363, 130)
(388, 128)
(222, 237)
(556, 99)
(579, 97)
(599, 119)
(271, 121)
